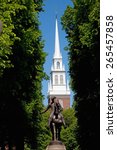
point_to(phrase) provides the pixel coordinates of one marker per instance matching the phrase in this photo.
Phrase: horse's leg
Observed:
(54, 131)
(59, 130)
(51, 128)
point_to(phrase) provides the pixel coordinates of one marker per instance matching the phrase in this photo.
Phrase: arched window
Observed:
(56, 79)
(58, 65)
(61, 79)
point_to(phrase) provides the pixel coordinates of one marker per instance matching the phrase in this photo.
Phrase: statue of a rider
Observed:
(56, 119)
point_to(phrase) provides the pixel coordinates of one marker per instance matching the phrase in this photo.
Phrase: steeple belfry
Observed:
(57, 53)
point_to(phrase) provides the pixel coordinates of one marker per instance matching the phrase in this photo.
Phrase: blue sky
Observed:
(47, 19)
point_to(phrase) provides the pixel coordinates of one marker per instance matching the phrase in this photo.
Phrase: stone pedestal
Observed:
(56, 145)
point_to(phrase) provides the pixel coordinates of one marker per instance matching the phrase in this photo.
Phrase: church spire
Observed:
(57, 53)
(58, 85)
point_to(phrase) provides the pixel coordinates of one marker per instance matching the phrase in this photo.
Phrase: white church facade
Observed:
(58, 84)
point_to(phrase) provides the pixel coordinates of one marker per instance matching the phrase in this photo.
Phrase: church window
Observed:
(56, 79)
(58, 65)
(61, 79)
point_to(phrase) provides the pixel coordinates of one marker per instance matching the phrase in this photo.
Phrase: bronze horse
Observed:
(55, 126)
(56, 119)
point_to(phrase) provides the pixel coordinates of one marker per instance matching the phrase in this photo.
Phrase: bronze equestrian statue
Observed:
(56, 119)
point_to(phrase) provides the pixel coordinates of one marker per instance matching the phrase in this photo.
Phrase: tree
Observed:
(46, 135)
(21, 63)
(68, 136)
(81, 24)
(7, 37)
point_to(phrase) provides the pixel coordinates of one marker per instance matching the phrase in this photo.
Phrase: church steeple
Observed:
(57, 53)
(58, 84)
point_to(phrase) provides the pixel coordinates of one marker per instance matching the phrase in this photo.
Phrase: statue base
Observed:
(56, 145)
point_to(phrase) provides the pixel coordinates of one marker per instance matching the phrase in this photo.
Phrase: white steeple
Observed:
(58, 84)
(57, 53)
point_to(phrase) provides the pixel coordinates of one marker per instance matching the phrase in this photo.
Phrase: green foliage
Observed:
(45, 137)
(82, 25)
(21, 73)
(7, 37)
(68, 135)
